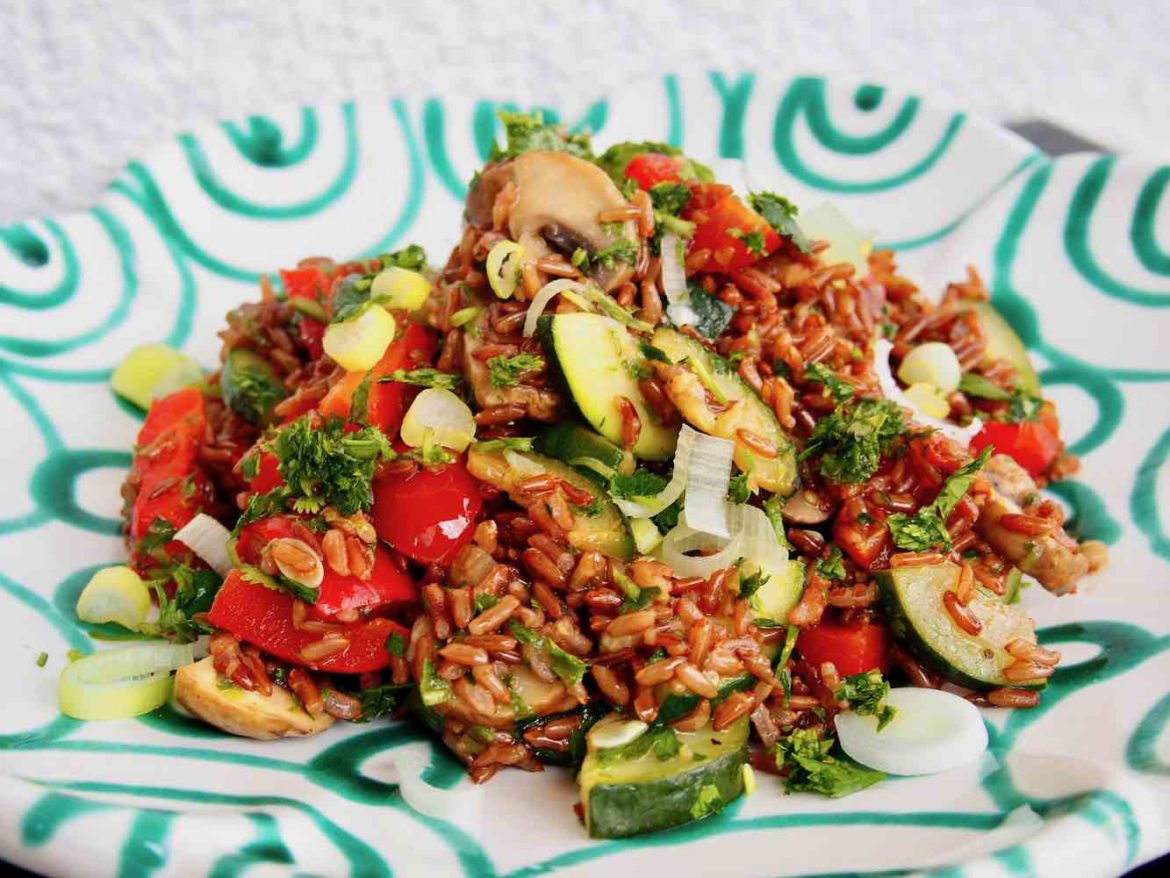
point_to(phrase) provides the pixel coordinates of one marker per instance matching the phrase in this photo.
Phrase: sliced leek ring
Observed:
(123, 682)
(358, 344)
(400, 288)
(151, 371)
(114, 594)
(504, 265)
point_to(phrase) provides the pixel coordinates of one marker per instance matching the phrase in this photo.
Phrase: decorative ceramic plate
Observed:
(1076, 250)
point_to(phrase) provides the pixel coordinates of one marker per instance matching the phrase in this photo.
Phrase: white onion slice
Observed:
(674, 283)
(752, 537)
(708, 476)
(441, 411)
(891, 391)
(208, 539)
(543, 297)
(646, 507)
(932, 731)
(462, 805)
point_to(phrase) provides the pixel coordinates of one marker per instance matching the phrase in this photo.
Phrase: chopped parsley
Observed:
(671, 198)
(279, 583)
(866, 694)
(379, 700)
(396, 645)
(564, 664)
(663, 741)
(753, 582)
(832, 567)
(814, 765)
(359, 406)
(707, 802)
(714, 314)
(158, 533)
(780, 214)
(484, 601)
(1024, 407)
(507, 371)
(652, 353)
(853, 439)
(927, 528)
(328, 466)
(194, 592)
(836, 387)
(42, 659)
(774, 509)
(621, 250)
(528, 132)
(425, 378)
(752, 241)
(640, 483)
(353, 293)
(737, 488)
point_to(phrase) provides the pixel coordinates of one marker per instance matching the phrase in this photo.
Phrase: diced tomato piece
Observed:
(1035, 445)
(651, 168)
(387, 401)
(428, 515)
(853, 648)
(723, 227)
(388, 587)
(267, 474)
(263, 616)
(861, 532)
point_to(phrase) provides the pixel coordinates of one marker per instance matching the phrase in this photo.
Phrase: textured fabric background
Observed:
(87, 84)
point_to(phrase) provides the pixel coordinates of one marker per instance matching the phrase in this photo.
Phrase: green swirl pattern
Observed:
(1076, 252)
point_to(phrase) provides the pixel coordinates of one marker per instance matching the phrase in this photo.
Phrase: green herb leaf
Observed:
(528, 132)
(507, 371)
(411, 257)
(564, 664)
(670, 198)
(484, 601)
(707, 802)
(753, 241)
(836, 387)
(396, 645)
(814, 765)
(780, 214)
(853, 439)
(641, 483)
(328, 466)
(424, 378)
(379, 700)
(279, 583)
(866, 694)
(1024, 407)
(737, 488)
(974, 384)
(927, 529)
(753, 582)
(832, 567)
(713, 313)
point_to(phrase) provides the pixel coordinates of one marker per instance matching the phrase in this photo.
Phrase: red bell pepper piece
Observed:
(387, 401)
(861, 532)
(651, 168)
(388, 587)
(427, 515)
(311, 283)
(171, 484)
(1035, 445)
(723, 225)
(853, 648)
(263, 616)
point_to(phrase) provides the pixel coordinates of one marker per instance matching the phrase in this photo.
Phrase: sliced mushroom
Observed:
(808, 507)
(238, 711)
(481, 197)
(1053, 559)
(540, 403)
(559, 199)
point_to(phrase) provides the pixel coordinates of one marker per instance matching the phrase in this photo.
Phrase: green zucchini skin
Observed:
(569, 441)
(1003, 342)
(594, 360)
(590, 713)
(912, 601)
(249, 386)
(649, 795)
(779, 474)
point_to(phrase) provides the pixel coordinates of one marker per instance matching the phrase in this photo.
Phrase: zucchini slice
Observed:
(1003, 343)
(600, 527)
(632, 790)
(780, 592)
(249, 386)
(912, 598)
(746, 412)
(598, 360)
(579, 447)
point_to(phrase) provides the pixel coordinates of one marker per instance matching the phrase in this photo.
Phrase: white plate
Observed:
(1076, 250)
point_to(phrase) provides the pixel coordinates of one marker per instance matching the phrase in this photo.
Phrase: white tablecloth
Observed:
(86, 85)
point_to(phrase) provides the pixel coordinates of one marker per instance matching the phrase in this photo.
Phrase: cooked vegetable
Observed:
(151, 371)
(814, 764)
(444, 505)
(931, 731)
(660, 779)
(250, 386)
(238, 711)
(702, 372)
(846, 242)
(603, 529)
(208, 539)
(400, 288)
(915, 604)
(120, 683)
(933, 363)
(1003, 343)
(443, 416)
(114, 594)
(599, 362)
(583, 449)
(854, 647)
(358, 344)
(504, 265)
